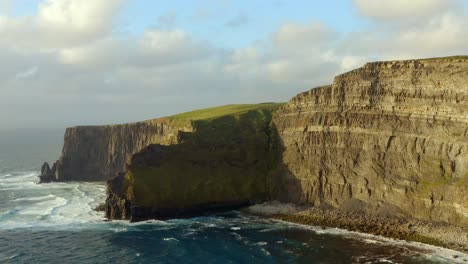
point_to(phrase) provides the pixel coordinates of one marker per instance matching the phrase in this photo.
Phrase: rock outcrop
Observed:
(224, 163)
(97, 153)
(388, 138)
(47, 174)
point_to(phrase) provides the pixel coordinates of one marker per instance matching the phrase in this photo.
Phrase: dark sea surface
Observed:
(55, 223)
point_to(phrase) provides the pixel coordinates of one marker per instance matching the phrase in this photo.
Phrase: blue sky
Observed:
(78, 62)
(208, 19)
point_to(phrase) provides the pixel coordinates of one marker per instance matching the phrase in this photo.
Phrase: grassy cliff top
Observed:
(226, 110)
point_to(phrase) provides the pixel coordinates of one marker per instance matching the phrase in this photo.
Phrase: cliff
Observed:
(223, 163)
(97, 153)
(390, 138)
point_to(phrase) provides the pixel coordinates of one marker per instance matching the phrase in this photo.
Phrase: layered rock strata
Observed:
(389, 138)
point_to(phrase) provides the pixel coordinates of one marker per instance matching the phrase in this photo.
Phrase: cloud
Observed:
(82, 17)
(60, 23)
(91, 75)
(105, 52)
(29, 73)
(165, 47)
(437, 36)
(5, 6)
(401, 9)
(240, 19)
(289, 61)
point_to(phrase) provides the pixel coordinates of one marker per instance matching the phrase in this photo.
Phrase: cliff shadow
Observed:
(225, 162)
(283, 185)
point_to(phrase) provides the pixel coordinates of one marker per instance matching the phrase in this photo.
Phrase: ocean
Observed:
(56, 223)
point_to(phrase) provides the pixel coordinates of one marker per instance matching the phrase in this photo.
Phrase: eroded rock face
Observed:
(388, 138)
(97, 153)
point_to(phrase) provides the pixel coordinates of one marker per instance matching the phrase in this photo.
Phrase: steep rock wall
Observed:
(388, 138)
(224, 163)
(97, 153)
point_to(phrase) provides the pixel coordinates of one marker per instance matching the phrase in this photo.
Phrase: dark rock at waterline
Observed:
(100, 207)
(45, 169)
(116, 205)
(47, 174)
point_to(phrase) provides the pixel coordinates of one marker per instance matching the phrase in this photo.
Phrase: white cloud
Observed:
(401, 9)
(442, 33)
(165, 47)
(5, 6)
(60, 23)
(77, 16)
(29, 73)
(89, 75)
(105, 52)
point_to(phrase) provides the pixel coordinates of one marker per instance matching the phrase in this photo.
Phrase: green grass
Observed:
(215, 112)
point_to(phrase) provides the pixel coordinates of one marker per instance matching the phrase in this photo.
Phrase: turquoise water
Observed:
(55, 223)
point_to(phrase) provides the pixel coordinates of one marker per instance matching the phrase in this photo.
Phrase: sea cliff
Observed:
(225, 162)
(390, 138)
(97, 153)
(387, 139)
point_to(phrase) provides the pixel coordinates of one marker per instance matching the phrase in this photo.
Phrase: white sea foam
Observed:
(170, 239)
(119, 229)
(433, 253)
(34, 198)
(54, 205)
(70, 206)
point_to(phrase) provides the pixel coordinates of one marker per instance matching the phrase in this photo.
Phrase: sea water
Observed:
(56, 223)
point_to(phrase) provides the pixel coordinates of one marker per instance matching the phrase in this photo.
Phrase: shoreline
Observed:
(411, 230)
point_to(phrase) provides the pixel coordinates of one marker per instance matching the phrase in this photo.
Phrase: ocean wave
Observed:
(34, 198)
(69, 206)
(429, 252)
(54, 205)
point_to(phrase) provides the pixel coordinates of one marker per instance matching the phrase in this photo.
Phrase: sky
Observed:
(86, 62)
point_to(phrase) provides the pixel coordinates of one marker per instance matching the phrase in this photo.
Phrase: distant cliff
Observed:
(97, 153)
(388, 138)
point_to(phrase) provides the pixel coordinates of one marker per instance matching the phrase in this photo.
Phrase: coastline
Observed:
(412, 230)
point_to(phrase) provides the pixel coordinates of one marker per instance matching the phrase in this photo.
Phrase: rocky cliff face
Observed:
(225, 162)
(388, 138)
(97, 153)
